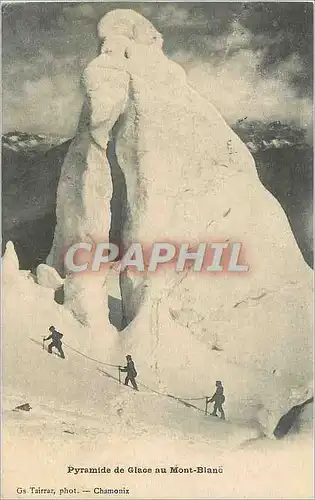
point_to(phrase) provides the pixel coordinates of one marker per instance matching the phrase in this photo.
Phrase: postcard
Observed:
(157, 250)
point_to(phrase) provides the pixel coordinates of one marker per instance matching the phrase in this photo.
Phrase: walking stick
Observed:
(206, 409)
(43, 343)
(119, 374)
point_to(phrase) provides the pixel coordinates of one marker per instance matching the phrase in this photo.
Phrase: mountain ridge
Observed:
(257, 135)
(31, 143)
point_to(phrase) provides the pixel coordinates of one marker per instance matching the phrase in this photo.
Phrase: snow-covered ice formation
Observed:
(182, 175)
(188, 178)
(9, 263)
(48, 276)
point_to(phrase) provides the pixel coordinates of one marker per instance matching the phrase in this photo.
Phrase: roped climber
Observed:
(131, 372)
(56, 341)
(218, 399)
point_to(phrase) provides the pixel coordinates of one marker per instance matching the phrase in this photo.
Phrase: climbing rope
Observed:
(91, 359)
(139, 383)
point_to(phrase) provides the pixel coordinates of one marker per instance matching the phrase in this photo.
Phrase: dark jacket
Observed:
(218, 396)
(130, 369)
(55, 336)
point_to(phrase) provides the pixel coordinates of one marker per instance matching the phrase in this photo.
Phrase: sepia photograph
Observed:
(157, 250)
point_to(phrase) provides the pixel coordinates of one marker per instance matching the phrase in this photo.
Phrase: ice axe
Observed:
(119, 374)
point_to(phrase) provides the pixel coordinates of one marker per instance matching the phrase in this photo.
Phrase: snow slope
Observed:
(82, 418)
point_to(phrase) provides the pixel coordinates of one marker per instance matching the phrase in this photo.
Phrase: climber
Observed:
(131, 372)
(218, 399)
(56, 341)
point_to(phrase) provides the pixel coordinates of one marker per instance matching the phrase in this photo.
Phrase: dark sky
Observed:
(249, 59)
